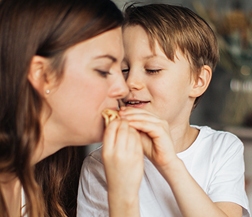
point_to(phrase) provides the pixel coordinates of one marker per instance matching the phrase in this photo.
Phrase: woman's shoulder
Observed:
(92, 168)
(94, 158)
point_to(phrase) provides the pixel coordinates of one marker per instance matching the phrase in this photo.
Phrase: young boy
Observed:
(191, 171)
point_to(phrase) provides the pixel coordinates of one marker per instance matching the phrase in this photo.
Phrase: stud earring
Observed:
(47, 91)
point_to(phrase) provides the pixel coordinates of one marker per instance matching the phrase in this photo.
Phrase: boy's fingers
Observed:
(146, 143)
(142, 117)
(152, 129)
(129, 110)
(134, 140)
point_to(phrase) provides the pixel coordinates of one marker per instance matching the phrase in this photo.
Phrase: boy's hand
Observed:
(156, 139)
(158, 147)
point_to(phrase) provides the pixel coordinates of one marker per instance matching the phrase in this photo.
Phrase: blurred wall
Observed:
(219, 4)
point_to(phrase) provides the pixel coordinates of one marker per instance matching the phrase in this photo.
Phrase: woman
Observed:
(59, 67)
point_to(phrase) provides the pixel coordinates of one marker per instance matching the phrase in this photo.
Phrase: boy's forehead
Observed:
(142, 43)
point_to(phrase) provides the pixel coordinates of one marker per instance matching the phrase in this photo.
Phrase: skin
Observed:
(71, 115)
(163, 117)
(11, 189)
(75, 116)
(124, 166)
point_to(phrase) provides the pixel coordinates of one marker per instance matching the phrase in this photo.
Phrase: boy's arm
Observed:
(191, 199)
(158, 147)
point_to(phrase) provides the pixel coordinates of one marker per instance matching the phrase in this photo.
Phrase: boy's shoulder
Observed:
(217, 138)
(208, 132)
(214, 145)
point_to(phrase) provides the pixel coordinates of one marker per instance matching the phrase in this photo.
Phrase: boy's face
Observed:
(156, 83)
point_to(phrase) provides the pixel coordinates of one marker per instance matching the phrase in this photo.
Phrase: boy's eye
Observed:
(103, 73)
(125, 73)
(153, 71)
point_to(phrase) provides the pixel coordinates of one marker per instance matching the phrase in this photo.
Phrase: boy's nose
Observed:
(135, 81)
(120, 88)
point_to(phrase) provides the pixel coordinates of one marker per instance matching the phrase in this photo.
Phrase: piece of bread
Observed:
(109, 115)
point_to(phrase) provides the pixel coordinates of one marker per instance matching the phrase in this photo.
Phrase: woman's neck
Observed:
(11, 190)
(44, 149)
(50, 141)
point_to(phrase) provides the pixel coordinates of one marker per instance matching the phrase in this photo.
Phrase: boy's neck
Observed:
(183, 137)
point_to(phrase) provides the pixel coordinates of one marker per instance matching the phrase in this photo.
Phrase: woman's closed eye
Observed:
(103, 73)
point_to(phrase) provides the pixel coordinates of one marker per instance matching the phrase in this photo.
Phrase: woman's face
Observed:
(92, 81)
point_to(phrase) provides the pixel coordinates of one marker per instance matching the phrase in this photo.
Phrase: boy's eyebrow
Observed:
(107, 56)
(149, 56)
(146, 57)
(153, 56)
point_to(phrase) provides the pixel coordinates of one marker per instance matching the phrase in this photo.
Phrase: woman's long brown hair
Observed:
(46, 28)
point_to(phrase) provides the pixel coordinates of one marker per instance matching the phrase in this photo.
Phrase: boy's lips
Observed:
(135, 103)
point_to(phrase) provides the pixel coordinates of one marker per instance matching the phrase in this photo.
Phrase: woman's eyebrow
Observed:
(107, 56)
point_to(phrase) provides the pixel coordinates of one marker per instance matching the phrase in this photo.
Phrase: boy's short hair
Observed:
(176, 27)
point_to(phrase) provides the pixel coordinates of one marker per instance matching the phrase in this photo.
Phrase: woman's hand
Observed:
(156, 139)
(123, 161)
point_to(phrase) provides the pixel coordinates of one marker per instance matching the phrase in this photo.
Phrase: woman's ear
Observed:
(201, 83)
(37, 75)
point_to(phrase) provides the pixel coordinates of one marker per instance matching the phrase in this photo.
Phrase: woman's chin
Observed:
(96, 137)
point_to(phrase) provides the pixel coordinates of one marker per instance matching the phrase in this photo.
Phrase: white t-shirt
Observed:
(215, 161)
(23, 203)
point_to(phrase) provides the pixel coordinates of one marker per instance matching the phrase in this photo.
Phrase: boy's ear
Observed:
(37, 75)
(201, 83)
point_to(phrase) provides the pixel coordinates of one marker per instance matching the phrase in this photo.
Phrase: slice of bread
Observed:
(109, 115)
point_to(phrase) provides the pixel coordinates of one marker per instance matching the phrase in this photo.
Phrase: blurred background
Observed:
(227, 104)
